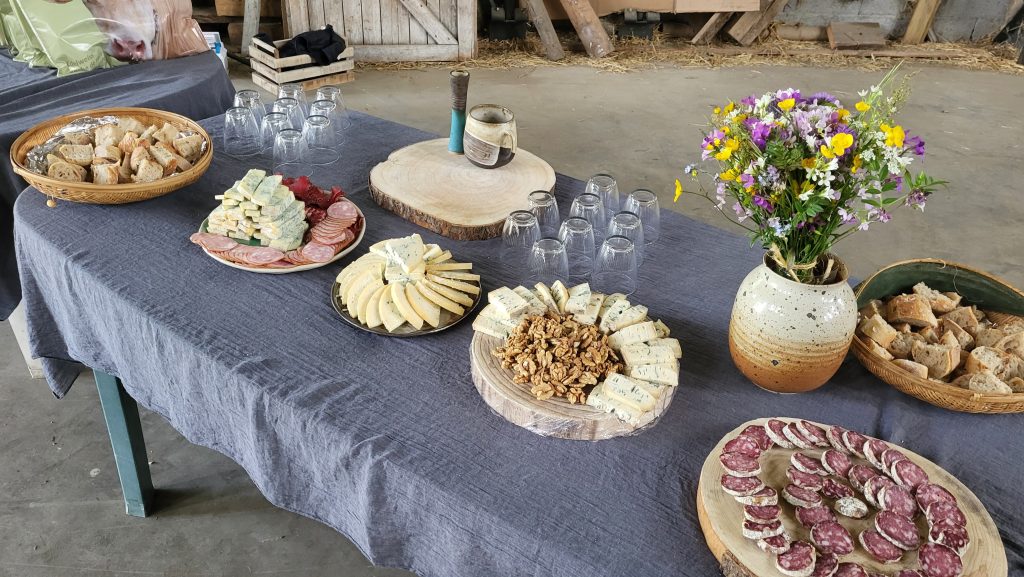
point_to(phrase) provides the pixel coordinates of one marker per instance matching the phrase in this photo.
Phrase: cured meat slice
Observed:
(775, 545)
(928, 493)
(805, 480)
(834, 434)
(898, 500)
(908, 573)
(317, 252)
(281, 264)
(314, 215)
(797, 439)
(765, 514)
(851, 570)
(807, 464)
(879, 547)
(951, 535)
(860, 474)
(833, 489)
(798, 561)
(741, 486)
(813, 433)
(939, 561)
(854, 442)
(873, 486)
(825, 565)
(945, 511)
(873, 450)
(343, 209)
(213, 242)
(743, 445)
(755, 531)
(764, 497)
(851, 507)
(899, 530)
(328, 233)
(253, 255)
(908, 474)
(764, 442)
(836, 463)
(774, 429)
(739, 465)
(800, 497)
(811, 516)
(346, 240)
(831, 537)
(295, 257)
(889, 458)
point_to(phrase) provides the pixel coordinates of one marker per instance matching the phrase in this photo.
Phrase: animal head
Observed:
(130, 26)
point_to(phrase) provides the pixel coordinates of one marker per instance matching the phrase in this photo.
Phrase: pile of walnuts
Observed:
(558, 357)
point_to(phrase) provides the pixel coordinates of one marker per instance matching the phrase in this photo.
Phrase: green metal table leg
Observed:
(125, 429)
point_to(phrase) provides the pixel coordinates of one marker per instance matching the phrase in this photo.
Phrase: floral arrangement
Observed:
(803, 173)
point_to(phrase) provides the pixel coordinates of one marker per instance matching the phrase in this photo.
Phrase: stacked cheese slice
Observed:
(260, 207)
(403, 280)
(650, 356)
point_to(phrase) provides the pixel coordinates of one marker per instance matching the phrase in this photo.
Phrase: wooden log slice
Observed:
(554, 417)
(721, 517)
(442, 192)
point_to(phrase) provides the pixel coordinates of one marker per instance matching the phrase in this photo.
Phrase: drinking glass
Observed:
(577, 234)
(320, 140)
(615, 267)
(291, 108)
(548, 261)
(294, 91)
(330, 110)
(273, 123)
(291, 158)
(241, 135)
(627, 224)
(543, 205)
(604, 185)
(644, 203)
(521, 230)
(590, 207)
(252, 100)
(333, 93)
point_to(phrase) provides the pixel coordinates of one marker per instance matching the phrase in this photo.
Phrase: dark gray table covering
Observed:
(196, 86)
(387, 441)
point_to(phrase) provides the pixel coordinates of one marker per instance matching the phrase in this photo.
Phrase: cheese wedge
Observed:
(661, 373)
(380, 248)
(349, 272)
(405, 307)
(364, 298)
(495, 327)
(612, 314)
(601, 401)
(628, 392)
(439, 299)
(507, 303)
(426, 309)
(560, 294)
(609, 301)
(631, 316)
(457, 275)
(579, 298)
(431, 251)
(356, 286)
(672, 344)
(637, 333)
(406, 252)
(645, 354)
(535, 306)
(389, 314)
(544, 295)
(455, 284)
(449, 293)
(589, 314)
(372, 312)
(450, 266)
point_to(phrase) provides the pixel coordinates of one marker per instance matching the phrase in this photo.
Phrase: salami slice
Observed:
(836, 463)
(774, 429)
(317, 252)
(873, 450)
(327, 233)
(951, 535)
(939, 561)
(798, 561)
(833, 489)
(775, 545)
(861, 474)
(898, 500)
(899, 530)
(811, 516)
(743, 445)
(741, 486)
(346, 239)
(213, 242)
(879, 547)
(740, 465)
(343, 209)
(800, 497)
(854, 442)
(804, 480)
(296, 257)
(813, 433)
(851, 570)
(945, 511)
(851, 507)
(831, 537)
(908, 474)
(253, 255)
(765, 514)
(928, 493)
(873, 486)
(807, 464)
(757, 432)
(834, 434)
(908, 573)
(764, 497)
(825, 565)
(797, 439)
(755, 531)
(281, 264)
(889, 458)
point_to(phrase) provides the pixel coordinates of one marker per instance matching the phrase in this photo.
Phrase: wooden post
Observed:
(921, 21)
(538, 14)
(588, 27)
(250, 23)
(711, 29)
(121, 414)
(748, 28)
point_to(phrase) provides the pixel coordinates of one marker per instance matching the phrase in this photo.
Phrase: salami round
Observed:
(327, 233)
(317, 252)
(213, 242)
(851, 507)
(836, 463)
(807, 464)
(850, 570)
(951, 535)
(744, 445)
(908, 573)
(755, 531)
(861, 474)
(797, 439)
(834, 434)
(741, 486)
(775, 545)
(831, 537)
(798, 561)
(774, 429)
(764, 497)
(879, 547)
(899, 530)
(854, 442)
(757, 432)
(873, 450)
(928, 493)
(740, 465)
(945, 511)
(939, 561)
(800, 497)
(833, 489)
(825, 565)
(908, 474)
(873, 486)
(889, 458)
(343, 209)
(805, 480)
(811, 516)
(253, 255)
(813, 433)
(758, 514)
(898, 500)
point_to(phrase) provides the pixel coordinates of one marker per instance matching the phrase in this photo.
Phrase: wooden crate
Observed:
(392, 30)
(270, 70)
(270, 8)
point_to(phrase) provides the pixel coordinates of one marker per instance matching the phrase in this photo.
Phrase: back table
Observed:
(386, 439)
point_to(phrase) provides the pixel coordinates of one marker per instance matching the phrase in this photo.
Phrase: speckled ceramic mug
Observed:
(789, 337)
(490, 140)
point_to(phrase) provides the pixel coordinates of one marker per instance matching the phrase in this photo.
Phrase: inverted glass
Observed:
(241, 135)
(543, 206)
(615, 267)
(548, 261)
(577, 235)
(590, 207)
(518, 234)
(290, 155)
(627, 224)
(644, 203)
(605, 186)
(273, 123)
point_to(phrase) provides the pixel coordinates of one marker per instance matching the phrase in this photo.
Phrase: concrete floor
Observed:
(60, 504)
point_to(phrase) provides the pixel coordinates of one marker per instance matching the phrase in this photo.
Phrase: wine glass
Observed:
(604, 185)
(577, 234)
(291, 158)
(273, 123)
(241, 135)
(291, 108)
(252, 100)
(548, 261)
(518, 234)
(542, 204)
(627, 224)
(590, 207)
(615, 267)
(321, 141)
(644, 203)
(294, 91)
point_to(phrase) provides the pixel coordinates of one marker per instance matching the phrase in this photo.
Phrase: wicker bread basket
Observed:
(90, 193)
(1001, 302)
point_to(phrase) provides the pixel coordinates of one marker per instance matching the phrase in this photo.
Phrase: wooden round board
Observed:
(442, 192)
(554, 417)
(721, 517)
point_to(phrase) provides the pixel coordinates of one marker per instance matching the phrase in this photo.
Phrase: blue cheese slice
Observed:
(406, 252)
(560, 294)
(601, 401)
(544, 295)
(661, 373)
(637, 333)
(264, 193)
(628, 392)
(579, 298)
(535, 306)
(589, 314)
(612, 314)
(662, 329)
(608, 302)
(672, 344)
(631, 316)
(507, 303)
(645, 354)
(251, 181)
(488, 323)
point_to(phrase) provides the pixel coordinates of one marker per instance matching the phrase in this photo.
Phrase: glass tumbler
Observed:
(294, 91)
(548, 261)
(273, 123)
(290, 156)
(290, 107)
(590, 207)
(333, 94)
(644, 203)
(518, 234)
(615, 267)
(604, 185)
(321, 143)
(628, 225)
(577, 235)
(252, 100)
(330, 110)
(543, 205)
(241, 135)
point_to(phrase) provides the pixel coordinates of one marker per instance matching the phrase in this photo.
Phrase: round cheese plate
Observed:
(448, 318)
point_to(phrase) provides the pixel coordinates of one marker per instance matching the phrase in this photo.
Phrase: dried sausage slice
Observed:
(740, 465)
(873, 486)
(899, 530)
(798, 561)
(744, 445)
(775, 545)
(766, 496)
(831, 537)
(836, 463)
(811, 516)
(825, 565)
(945, 511)
(898, 500)
(796, 438)
(774, 429)
(851, 570)
(807, 464)
(939, 561)
(834, 434)
(834, 490)
(805, 480)
(800, 497)
(861, 474)
(873, 450)
(889, 458)
(854, 442)
(765, 514)
(755, 531)
(928, 493)
(813, 433)
(757, 432)
(908, 474)
(951, 535)
(741, 486)
(879, 547)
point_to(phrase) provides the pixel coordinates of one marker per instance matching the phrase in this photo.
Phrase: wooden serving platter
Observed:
(721, 517)
(426, 184)
(554, 417)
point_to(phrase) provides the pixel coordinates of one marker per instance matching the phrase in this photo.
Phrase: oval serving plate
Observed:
(448, 318)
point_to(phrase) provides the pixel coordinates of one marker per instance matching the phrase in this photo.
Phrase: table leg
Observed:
(125, 428)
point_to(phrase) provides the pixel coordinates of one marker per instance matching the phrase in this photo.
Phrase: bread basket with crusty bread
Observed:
(945, 333)
(105, 168)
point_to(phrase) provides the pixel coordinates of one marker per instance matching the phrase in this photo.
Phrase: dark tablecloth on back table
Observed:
(386, 439)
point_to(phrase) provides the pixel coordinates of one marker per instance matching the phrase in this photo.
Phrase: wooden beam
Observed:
(888, 53)
(921, 21)
(295, 16)
(686, 6)
(407, 53)
(418, 9)
(538, 14)
(467, 29)
(711, 29)
(855, 35)
(589, 28)
(250, 24)
(801, 32)
(748, 27)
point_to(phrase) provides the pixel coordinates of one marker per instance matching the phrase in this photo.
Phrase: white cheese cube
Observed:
(627, 391)
(673, 344)
(661, 373)
(560, 294)
(579, 298)
(663, 331)
(535, 306)
(612, 314)
(589, 314)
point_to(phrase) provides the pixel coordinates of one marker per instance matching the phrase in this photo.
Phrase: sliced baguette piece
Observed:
(80, 137)
(167, 133)
(1017, 384)
(879, 350)
(140, 153)
(964, 317)
(189, 146)
(131, 124)
(167, 151)
(148, 171)
(108, 135)
(901, 346)
(874, 307)
(963, 337)
(916, 369)
(903, 327)
(989, 336)
(106, 155)
(986, 359)
(912, 309)
(80, 154)
(930, 335)
(950, 340)
(66, 171)
(940, 303)
(105, 173)
(988, 383)
(878, 331)
(1012, 344)
(940, 359)
(128, 142)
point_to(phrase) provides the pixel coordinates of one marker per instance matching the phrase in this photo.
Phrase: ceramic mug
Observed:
(490, 139)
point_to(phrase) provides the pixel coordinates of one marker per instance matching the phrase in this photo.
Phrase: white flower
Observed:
(867, 155)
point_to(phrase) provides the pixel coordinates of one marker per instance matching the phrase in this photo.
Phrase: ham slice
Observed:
(213, 242)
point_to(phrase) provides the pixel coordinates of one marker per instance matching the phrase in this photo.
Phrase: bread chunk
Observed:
(963, 337)
(66, 171)
(879, 331)
(913, 309)
(80, 154)
(916, 369)
(939, 302)
(986, 382)
(940, 359)
(902, 345)
(964, 317)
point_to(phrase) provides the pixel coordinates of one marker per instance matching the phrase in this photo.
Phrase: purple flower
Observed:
(784, 94)
(916, 199)
(720, 195)
(747, 180)
(741, 212)
(847, 216)
(916, 143)
(824, 97)
(763, 203)
(759, 134)
(749, 101)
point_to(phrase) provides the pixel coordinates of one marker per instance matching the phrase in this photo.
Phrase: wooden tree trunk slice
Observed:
(721, 518)
(426, 184)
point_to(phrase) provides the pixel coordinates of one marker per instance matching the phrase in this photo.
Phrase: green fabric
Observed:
(29, 49)
(19, 41)
(67, 34)
(985, 291)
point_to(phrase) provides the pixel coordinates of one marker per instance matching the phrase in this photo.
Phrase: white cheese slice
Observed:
(448, 293)
(495, 327)
(431, 251)
(372, 312)
(440, 257)
(507, 303)
(380, 248)
(457, 275)
(406, 252)
(424, 307)
(443, 266)
(655, 389)
(264, 193)
(389, 314)
(455, 284)
(579, 298)
(627, 391)
(661, 373)
(631, 316)
(612, 314)
(439, 299)
(609, 301)
(673, 344)
(560, 294)
(544, 295)
(363, 300)
(405, 307)
(251, 181)
(637, 333)
(662, 329)
(645, 354)
(355, 288)
(356, 268)
(589, 314)
(535, 306)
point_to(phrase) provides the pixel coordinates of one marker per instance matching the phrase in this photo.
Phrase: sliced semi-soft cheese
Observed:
(356, 286)
(449, 266)
(579, 298)
(440, 257)
(645, 354)
(438, 299)
(389, 314)
(431, 251)
(455, 284)
(362, 301)
(544, 294)
(372, 312)
(661, 373)
(427, 310)
(589, 314)
(449, 293)
(631, 316)
(535, 306)
(612, 314)
(380, 248)
(404, 307)
(637, 333)
(673, 344)
(624, 389)
(457, 275)
(507, 303)
(560, 294)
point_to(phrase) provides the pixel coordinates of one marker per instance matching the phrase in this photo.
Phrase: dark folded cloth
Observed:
(323, 46)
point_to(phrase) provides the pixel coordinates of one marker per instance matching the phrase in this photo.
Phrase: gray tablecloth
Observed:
(386, 439)
(197, 87)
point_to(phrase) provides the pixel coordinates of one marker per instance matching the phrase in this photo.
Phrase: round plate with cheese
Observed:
(405, 288)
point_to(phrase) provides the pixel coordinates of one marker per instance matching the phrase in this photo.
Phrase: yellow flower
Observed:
(741, 117)
(725, 130)
(729, 107)
(693, 173)
(728, 175)
(679, 190)
(827, 152)
(842, 113)
(717, 110)
(840, 142)
(857, 163)
(862, 106)
(808, 163)
(723, 154)
(894, 137)
(787, 104)
(732, 144)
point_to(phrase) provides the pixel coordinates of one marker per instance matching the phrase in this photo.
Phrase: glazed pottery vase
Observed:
(789, 337)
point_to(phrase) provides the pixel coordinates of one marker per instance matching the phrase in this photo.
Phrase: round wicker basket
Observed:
(87, 192)
(1001, 301)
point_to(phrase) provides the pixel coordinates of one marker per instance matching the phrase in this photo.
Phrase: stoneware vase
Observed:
(789, 337)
